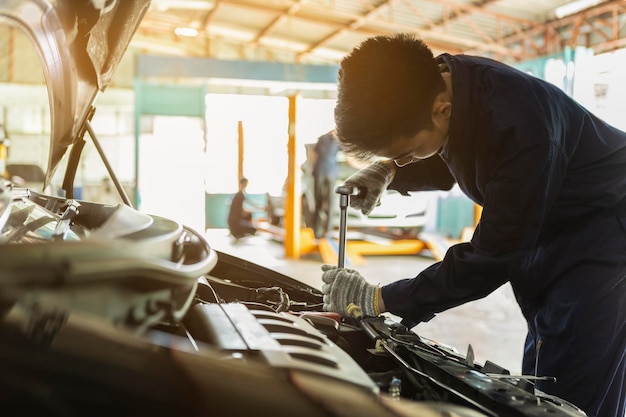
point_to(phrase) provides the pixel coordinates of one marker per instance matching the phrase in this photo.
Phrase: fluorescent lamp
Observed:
(574, 7)
(186, 32)
(164, 5)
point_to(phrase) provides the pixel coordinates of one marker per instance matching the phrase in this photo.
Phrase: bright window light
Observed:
(574, 7)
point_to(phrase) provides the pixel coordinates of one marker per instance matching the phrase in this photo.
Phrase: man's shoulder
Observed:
(472, 61)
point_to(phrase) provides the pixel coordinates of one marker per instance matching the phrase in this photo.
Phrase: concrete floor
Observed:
(493, 326)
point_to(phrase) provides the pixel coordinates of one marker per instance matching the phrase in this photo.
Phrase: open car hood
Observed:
(80, 43)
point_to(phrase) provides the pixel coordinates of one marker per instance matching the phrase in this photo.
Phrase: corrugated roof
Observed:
(322, 31)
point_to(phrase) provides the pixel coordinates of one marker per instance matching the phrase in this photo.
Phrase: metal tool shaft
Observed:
(344, 191)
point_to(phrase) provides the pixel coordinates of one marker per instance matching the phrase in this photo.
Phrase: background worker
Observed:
(325, 173)
(551, 178)
(239, 219)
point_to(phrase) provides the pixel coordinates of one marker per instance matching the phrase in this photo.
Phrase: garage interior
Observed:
(210, 91)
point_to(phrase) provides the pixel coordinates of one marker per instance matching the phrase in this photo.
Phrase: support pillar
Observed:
(293, 202)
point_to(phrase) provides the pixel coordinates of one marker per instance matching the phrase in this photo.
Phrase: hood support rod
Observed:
(116, 182)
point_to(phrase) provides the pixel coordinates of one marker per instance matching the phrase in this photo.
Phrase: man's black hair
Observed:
(386, 89)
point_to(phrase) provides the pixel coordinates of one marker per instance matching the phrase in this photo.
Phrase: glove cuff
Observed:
(369, 300)
(375, 301)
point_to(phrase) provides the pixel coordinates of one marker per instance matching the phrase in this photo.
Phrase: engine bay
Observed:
(86, 301)
(377, 353)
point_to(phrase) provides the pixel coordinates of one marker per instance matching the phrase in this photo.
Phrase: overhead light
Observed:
(186, 32)
(574, 7)
(164, 5)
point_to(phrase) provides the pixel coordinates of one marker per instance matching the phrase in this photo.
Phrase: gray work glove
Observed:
(371, 182)
(343, 287)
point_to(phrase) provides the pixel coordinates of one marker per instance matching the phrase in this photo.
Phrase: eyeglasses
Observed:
(405, 159)
(408, 157)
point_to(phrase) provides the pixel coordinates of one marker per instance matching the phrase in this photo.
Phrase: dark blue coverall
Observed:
(551, 178)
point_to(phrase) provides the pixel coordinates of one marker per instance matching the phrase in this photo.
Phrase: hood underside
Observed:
(80, 44)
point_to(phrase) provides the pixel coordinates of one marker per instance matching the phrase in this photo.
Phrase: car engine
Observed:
(105, 307)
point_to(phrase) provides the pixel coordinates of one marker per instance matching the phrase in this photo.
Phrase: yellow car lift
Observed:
(298, 240)
(357, 249)
(436, 244)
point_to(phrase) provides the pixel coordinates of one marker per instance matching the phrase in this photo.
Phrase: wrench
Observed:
(344, 191)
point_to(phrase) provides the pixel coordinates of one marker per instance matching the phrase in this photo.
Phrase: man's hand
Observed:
(372, 181)
(345, 286)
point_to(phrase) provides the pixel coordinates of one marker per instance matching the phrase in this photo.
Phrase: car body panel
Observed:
(80, 44)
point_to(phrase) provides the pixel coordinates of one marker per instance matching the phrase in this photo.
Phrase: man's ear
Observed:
(442, 106)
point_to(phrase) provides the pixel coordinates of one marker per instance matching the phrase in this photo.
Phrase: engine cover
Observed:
(282, 340)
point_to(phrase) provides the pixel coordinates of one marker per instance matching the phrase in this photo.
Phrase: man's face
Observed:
(404, 150)
(424, 144)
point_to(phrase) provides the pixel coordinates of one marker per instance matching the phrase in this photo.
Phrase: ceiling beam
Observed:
(568, 28)
(355, 24)
(292, 10)
(517, 39)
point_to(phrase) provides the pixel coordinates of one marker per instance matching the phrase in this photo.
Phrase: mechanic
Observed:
(240, 219)
(325, 173)
(551, 178)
